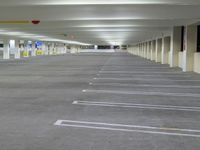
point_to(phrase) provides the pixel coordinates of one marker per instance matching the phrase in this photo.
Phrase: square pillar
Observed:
(165, 50)
(6, 49)
(46, 48)
(153, 49)
(190, 48)
(175, 46)
(17, 50)
(144, 50)
(33, 49)
(149, 50)
(138, 49)
(158, 50)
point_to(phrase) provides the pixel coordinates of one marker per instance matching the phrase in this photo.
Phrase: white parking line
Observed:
(146, 75)
(143, 93)
(143, 79)
(142, 72)
(129, 128)
(136, 67)
(146, 85)
(140, 106)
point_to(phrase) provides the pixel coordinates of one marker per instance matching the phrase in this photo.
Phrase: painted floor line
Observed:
(145, 85)
(145, 75)
(139, 72)
(129, 128)
(142, 93)
(146, 68)
(143, 79)
(140, 106)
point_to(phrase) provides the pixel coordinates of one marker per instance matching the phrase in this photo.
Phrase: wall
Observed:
(197, 62)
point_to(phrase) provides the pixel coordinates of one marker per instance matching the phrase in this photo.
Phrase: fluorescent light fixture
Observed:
(108, 2)
(106, 26)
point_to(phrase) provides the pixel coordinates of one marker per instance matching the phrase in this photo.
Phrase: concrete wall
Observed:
(197, 62)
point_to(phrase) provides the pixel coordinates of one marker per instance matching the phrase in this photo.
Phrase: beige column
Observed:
(149, 50)
(138, 50)
(6, 49)
(142, 49)
(165, 50)
(153, 49)
(141, 52)
(175, 47)
(158, 50)
(190, 48)
(17, 49)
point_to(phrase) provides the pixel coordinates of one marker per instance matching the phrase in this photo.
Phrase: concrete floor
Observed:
(106, 101)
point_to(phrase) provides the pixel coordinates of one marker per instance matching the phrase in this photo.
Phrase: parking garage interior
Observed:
(99, 75)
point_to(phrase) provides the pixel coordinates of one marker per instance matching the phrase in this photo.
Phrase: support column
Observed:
(145, 50)
(175, 46)
(51, 49)
(26, 49)
(33, 49)
(158, 50)
(17, 50)
(6, 49)
(141, 50)
(190, 48)
(138, 49)
(149, 50)
(153, 49)
(46, 49)
(165, 50)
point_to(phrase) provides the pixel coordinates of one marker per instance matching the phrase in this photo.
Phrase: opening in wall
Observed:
(182, 38)
(198, 38)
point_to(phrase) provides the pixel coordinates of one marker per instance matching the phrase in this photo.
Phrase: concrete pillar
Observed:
(95, 47)
(138, 49)
(190, 48)
(51, 46)
(64, 49)
(33, 49)
(26, 49)
(158, 50)
(145, 49)
(17, 50)
(46, 49)
(165, 50)
(142, 48)
(140, 52)
(6, 49)
(149, 50)
(175, 46)
(153, 49)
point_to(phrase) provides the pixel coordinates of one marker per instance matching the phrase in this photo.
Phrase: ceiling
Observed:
(96, 22)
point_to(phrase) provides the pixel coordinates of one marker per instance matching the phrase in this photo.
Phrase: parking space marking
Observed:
(145, 75)
(139, 106)
(146, 85)
(129, 128)
(143, 93)
(143, 79)
(142, 72)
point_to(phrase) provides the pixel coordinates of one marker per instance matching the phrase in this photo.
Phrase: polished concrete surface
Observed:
(107, 101)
